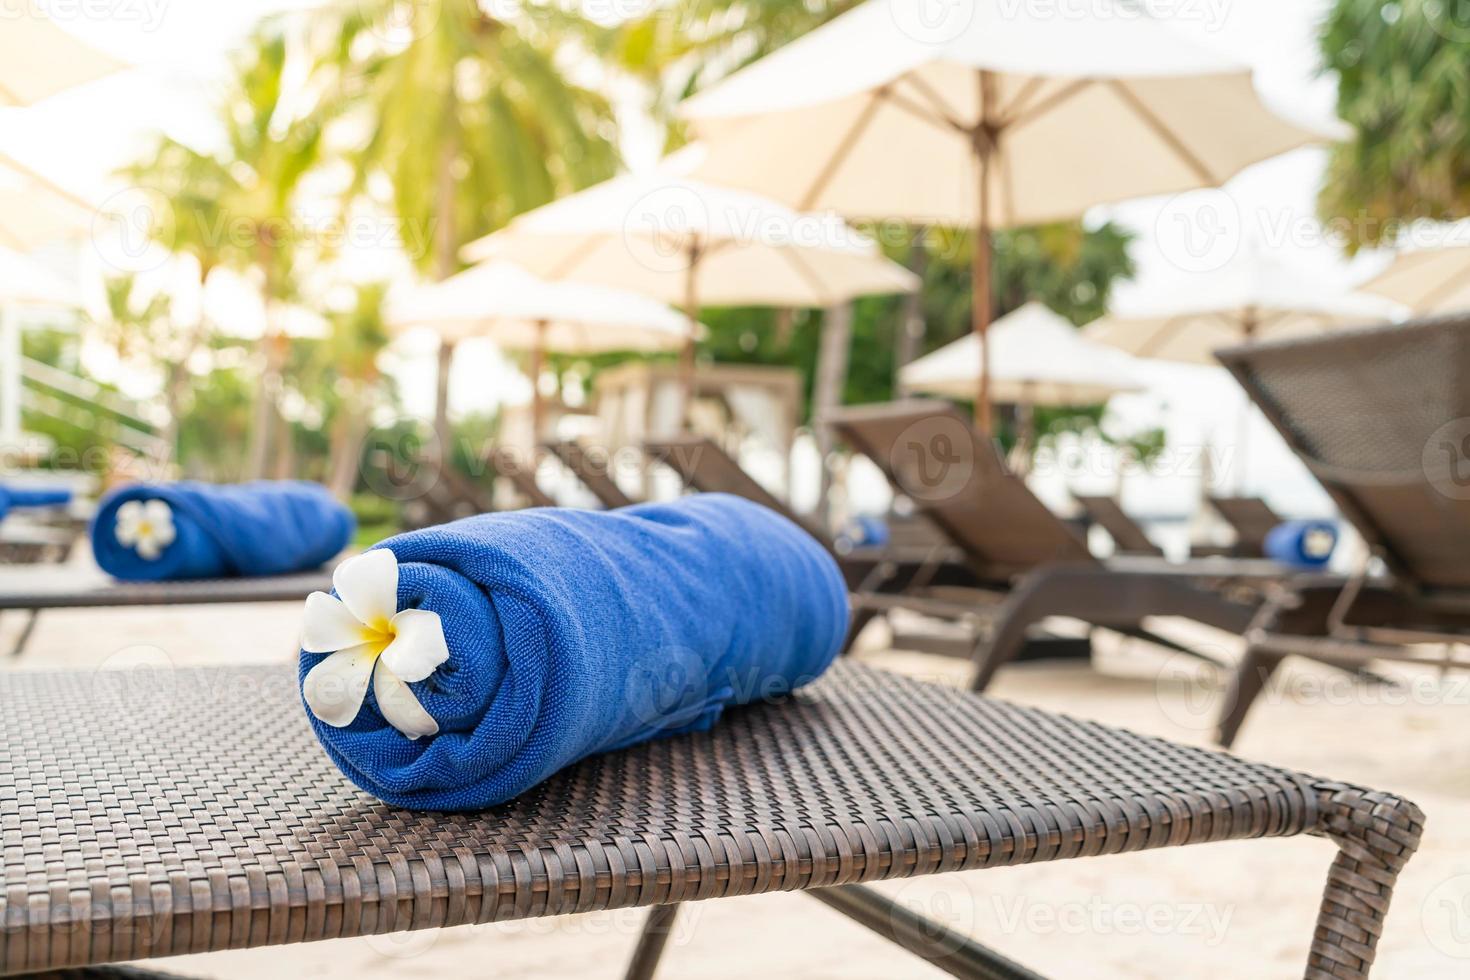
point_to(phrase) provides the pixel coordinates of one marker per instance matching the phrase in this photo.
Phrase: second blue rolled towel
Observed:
(12, 496)
(564, 633)
(187, 530)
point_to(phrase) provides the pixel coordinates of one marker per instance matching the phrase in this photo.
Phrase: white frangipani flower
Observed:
(146, 526)
(370, 640)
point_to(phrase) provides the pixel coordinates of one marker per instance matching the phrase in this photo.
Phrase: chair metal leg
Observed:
(1249, 680)
(953, 952)
(25, 633)
(651, 941)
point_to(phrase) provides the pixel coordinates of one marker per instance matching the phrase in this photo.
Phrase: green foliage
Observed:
(213, 433)
(1403, 71)
(463, 109)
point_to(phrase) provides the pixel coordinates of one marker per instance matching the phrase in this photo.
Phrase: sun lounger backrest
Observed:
(1127, 536)
(594, 473)
(1382, 418)
(1251, 518)
(933, 455)
(706, 467)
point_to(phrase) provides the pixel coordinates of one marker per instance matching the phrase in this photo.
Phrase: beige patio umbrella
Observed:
(1254, 297)
(39, 59)
(985, 115)
(517, 311)
(1426, 280)
(686, 242)
(36, 211)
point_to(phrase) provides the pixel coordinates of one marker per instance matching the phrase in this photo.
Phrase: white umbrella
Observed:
(1036, 358)
(1253, 297)
(39, 59)
(994, 114)
(34, 211)
(687, 242)
(1426, 280)
(517, 311)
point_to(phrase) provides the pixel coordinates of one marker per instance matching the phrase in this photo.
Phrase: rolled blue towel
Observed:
(862, 531)
(1303, 544)
(186, 530)
(565, 633)
(12, 497)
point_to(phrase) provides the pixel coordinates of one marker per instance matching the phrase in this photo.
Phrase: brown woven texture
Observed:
(64, 588)
(152, 813)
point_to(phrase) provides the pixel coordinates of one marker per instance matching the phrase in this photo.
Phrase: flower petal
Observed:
(418, 646)
(126, 533)
(147, 548)
(329, 625)
(164, 533)
(334, 688)
(368, 584)
(130, 512)
(400, 707)
(158, 513)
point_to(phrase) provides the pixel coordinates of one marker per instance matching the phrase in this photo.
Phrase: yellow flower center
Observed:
(378, 634)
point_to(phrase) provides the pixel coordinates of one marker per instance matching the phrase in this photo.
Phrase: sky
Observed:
(180, 50)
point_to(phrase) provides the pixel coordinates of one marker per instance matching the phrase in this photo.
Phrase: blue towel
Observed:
(12, 497)
(1302, 544)
(573, 632)
(261, 528)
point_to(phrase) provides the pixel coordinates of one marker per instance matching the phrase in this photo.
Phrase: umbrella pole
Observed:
(538, 406)
(981, 288)
(691, 311)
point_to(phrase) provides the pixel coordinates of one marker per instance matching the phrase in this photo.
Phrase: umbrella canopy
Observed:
(1252, 298)
(1037, 358)
(687, 242)
(39, 59)
(24, 282)
(1427, 280)
(995, 114)
(34, 211)
(517, 311)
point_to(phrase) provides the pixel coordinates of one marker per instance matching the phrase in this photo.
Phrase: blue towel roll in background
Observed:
(223, 531)
(12, 496)
(1303, 544)
(574, 632)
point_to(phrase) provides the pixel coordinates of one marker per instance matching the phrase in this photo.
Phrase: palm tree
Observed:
(234, 206)
(142, 328)
(349, 376)
(1401, 86)
(470, 119)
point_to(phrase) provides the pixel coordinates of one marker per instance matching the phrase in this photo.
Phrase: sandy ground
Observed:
(1220, 910)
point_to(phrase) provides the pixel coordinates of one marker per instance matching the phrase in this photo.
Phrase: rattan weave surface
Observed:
(56, 588)
(146, 814)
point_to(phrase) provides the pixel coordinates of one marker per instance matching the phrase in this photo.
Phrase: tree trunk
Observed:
(836, 340)
(270, 378)
(445, 247)
(911, 326)
(347, 432)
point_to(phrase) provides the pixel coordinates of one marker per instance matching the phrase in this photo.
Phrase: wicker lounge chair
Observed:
(1381, 418)
(592, 469)
(1251, 518)
(35, 590)
(1128, 537)
(1027, 555)
(191, 810)
(913, 563)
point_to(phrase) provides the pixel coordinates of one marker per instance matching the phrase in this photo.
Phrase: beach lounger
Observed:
(911, 564)
(1025, 553)
(1108, 514)
(191, 810)
(1251, 518)
(592, 468)
(27, 543)
(1381, 417)
(35, 589)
